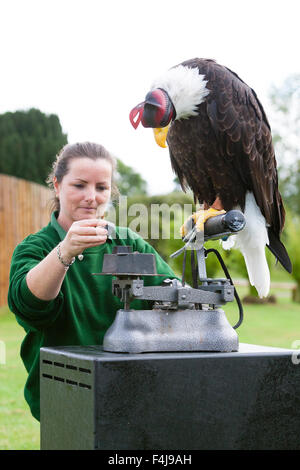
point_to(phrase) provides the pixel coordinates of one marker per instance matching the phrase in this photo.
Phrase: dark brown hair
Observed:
(60, 166)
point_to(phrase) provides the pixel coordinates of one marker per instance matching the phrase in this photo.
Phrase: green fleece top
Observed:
(84, 308)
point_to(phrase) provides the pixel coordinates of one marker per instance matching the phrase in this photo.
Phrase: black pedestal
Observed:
(92, 399)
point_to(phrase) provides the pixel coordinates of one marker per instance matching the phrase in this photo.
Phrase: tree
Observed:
(285, 113)
(293, 230)
(129, 182)
(29, 142)
(285, 103)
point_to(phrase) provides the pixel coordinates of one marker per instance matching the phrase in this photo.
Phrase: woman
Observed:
(52, 290)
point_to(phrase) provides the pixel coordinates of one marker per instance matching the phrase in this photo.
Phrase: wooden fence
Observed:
(24, 209)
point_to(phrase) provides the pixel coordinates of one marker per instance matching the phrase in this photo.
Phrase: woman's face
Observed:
(84, 191)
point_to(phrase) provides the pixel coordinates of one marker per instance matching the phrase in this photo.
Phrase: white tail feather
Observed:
(251, 241)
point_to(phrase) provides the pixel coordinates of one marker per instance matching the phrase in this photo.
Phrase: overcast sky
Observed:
(91, 61)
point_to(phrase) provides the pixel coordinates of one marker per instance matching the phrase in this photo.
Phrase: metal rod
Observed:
(201, 263)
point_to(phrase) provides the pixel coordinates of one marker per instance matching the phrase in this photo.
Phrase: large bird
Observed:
(220, 146)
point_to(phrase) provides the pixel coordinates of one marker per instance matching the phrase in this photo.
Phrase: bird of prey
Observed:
(220, 146)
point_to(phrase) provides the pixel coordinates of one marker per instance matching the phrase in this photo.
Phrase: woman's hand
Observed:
(81, 235)
(45, 279)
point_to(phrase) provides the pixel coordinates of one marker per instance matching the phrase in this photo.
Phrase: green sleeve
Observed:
(31, 312)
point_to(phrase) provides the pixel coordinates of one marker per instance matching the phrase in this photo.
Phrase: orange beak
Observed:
(160, 135)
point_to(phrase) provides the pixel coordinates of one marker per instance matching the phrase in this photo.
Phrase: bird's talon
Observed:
(199, 218)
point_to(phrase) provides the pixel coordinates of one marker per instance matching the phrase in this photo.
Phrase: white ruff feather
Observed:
(186, 88)
(251, 241)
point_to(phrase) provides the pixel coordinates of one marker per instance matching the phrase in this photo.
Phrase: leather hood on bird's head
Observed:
(156, 111)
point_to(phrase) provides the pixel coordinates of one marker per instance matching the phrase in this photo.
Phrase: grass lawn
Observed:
(18, 429)
(275, 325)
(269, 325)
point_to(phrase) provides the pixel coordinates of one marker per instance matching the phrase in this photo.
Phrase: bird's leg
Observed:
(218, 204)
(201, 216)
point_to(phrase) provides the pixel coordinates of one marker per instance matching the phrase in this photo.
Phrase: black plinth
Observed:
(92, 399)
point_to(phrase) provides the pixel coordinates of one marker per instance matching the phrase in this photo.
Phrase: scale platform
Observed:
(92, 399)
